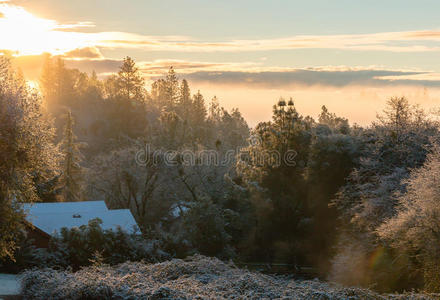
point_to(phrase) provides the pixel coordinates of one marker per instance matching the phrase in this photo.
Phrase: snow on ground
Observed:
(9, 285)
(197, 277)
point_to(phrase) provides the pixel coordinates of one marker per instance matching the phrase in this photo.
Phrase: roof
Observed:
(60, 207)
(51, 217)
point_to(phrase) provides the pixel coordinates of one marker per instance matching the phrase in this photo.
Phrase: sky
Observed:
(348, 55)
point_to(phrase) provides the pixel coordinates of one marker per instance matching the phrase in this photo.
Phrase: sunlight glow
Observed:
(33, 84)
(25, 34)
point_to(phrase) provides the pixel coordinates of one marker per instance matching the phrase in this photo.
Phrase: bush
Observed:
(197, 277)
(90, 244)
(205, 227)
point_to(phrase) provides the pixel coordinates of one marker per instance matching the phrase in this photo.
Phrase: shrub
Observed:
(88, 244)
(197, 277)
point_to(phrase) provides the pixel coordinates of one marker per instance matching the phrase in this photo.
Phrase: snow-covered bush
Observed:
(89, 244)
(197, 277)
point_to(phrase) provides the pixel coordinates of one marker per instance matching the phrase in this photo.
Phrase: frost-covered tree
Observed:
(226, 129)
(415, 230)
(134, 178)
(334, 122)
(391, 148)
(172, 130)
(27, 152)
(395, 144)
(72, 172)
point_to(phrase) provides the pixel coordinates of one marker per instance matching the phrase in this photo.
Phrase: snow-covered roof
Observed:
(51, 217)
(60, 207)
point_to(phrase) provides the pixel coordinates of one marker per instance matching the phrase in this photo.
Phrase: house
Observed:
(48, 218)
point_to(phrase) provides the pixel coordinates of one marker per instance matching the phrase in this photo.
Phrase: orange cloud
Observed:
(361, 42)
(249, 74)
(84, 53)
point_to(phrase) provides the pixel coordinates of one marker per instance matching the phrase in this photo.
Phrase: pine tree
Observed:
(332, 121)
(198, 116)
(130, 80)
(47, 80)
(172, 89)
(58, 84)
(215, 111)
(184, 100)
(126, 94)
(71, 179)
(199, 109)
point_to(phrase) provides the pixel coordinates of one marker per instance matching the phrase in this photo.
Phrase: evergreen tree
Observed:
(71, 178)
(334, 122)
(126, 95)
(184, 100)
(58, 83)
(130, 80)
(47, 80)
(199, 109)
(268, 163)
(172, 89)
(198, 116)
(214, 111)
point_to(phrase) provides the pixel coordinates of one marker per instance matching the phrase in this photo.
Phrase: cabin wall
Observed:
(39, 238)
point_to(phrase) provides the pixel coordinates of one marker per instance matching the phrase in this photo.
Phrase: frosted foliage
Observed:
(27, 154)
(415, 229)
(197, 277)
(419, 211)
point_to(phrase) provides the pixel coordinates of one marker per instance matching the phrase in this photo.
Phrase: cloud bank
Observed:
(25, 34)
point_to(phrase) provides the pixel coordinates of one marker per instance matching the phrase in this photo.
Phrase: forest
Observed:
(357, 205)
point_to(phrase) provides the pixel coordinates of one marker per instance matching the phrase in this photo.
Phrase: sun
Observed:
(22, 33)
